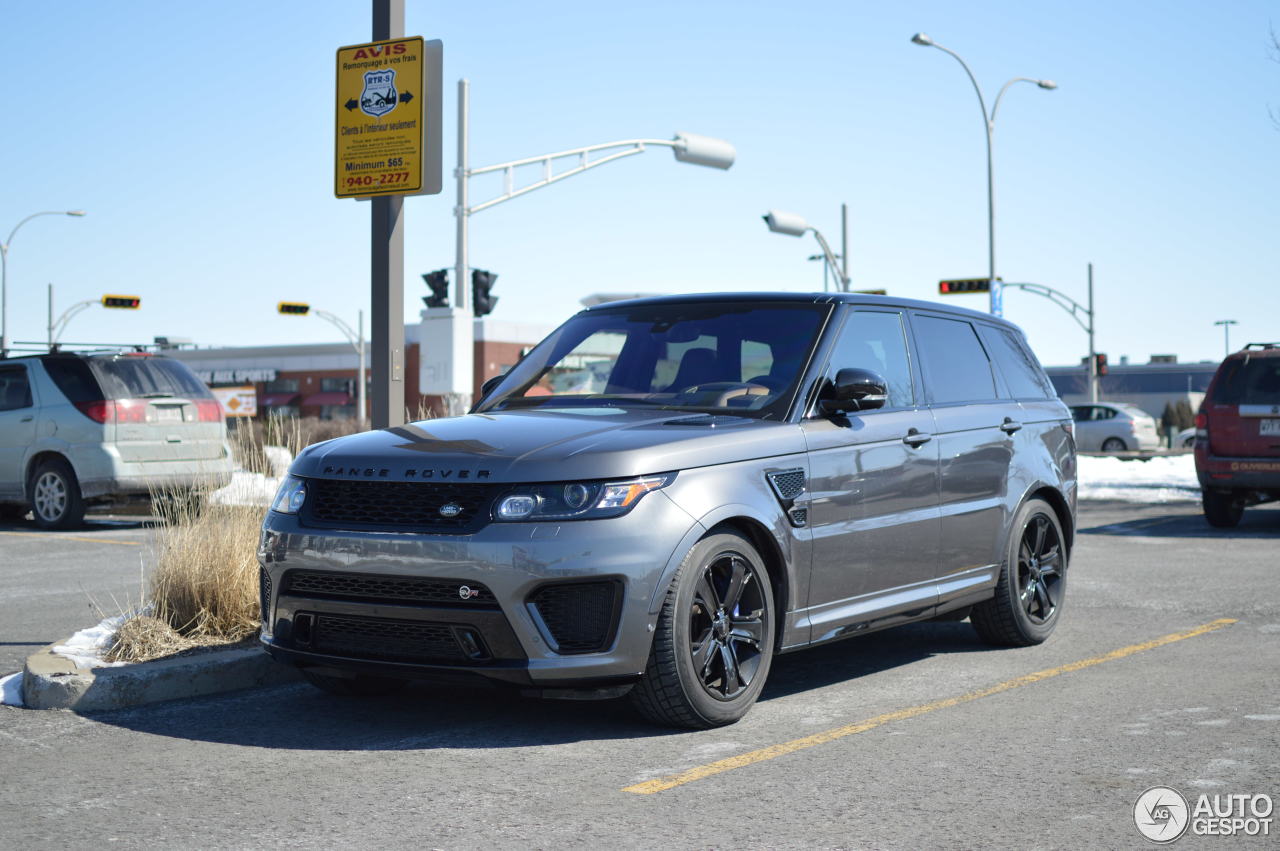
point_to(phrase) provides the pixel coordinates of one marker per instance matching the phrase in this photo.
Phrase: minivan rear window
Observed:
(131, 377)
(73, 377)
(1249, 381)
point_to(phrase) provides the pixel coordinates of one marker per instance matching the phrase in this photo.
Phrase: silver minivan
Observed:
(666, 493)
(79, 429)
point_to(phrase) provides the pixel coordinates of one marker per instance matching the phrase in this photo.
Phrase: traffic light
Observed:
(481, 283)
(965, 285)
(124, 302)
(1100, 364)
(438, 281)
(295, 308)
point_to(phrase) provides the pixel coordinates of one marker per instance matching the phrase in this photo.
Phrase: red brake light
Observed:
(1202, 420)
(99, 410)
(131, 410)
(208, 410)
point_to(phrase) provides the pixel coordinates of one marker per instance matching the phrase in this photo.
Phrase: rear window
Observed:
(1248, 381)
(956, 365)
(73, 377)
(131, 377)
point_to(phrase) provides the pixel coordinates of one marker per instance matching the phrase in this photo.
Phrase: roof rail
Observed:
(1249, 346)
(27, 348)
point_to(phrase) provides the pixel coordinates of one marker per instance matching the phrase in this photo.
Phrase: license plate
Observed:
(1269, 427)
(167, 413)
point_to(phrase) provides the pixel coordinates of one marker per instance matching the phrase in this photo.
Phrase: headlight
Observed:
(292, 493)
(576, 500)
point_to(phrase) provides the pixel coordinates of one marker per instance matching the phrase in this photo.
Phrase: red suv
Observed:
(1238, 434)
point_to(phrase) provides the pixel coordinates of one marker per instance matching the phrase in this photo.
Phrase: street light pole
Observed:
(789, 224)
(989, 125)
(356, 339)
(4, 273)
(1226, 334)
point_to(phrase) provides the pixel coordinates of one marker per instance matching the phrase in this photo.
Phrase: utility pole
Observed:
(1093, 356)
(1226, 334)
(844, 244)
(386, 269)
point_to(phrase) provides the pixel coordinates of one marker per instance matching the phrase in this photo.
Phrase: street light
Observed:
(789, 224)
(1226, 334)
(454, 367)
(989, 125)
(355, 338)
(4, 273)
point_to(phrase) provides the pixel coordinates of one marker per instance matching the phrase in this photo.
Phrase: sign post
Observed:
(387, 145)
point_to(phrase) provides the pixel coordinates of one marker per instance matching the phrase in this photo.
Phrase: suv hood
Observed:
(564, 444)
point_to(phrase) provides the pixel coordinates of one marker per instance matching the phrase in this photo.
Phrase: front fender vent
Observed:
(787, 486)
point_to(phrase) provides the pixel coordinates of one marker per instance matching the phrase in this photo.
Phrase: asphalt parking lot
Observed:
(1162, 672)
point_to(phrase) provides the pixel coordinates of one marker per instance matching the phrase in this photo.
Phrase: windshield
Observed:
(736, 358)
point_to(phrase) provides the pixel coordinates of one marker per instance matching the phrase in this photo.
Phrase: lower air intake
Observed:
(578, 617)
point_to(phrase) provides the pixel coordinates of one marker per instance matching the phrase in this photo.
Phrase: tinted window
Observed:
(1249, 381)
(875, 340)
(955, 365)
(1016, 363)
(73, 378)
(133, 376)
(15, 389)
(743, 357)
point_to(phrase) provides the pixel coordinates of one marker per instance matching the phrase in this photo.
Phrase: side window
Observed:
(956, 367)
(875, 340)
(1104, 413)
(15, 389)
(1021, 371)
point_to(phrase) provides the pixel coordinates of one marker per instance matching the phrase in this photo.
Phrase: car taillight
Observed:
(99, 410)
(1202, 420)
(131, 410)
(208, 410)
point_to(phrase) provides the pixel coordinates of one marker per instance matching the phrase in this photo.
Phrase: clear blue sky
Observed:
(199, 137)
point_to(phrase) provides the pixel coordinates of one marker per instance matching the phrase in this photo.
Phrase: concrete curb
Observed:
(50, 681)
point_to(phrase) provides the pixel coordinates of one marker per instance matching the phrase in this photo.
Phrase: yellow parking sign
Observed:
(387, 133)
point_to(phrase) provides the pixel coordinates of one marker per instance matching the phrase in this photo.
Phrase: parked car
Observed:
(1238, 434)
(665, 493)
(1114, 427)
(78, 429)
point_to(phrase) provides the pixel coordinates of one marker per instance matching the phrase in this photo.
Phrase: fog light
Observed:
(516, 507)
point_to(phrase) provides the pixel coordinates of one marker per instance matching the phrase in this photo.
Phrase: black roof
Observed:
(802, 298)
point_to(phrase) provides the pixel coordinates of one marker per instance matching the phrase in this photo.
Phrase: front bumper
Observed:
(503, 635)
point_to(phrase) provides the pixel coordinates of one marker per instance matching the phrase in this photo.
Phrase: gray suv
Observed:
(666, 493)
(78, 429)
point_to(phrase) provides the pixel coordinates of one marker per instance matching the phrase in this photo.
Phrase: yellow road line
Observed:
(662, 784)
(56, 537)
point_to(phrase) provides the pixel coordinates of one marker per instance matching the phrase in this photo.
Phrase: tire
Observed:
(713, 645)
(1033, 581)
(1222, 509)
(1113, 444)
(56, 502)
(357, 686)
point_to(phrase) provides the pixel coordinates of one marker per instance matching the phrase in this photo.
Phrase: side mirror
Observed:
(855, 390)
(487, 387)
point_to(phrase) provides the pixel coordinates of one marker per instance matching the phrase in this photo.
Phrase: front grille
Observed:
(389, 640)
(398, 505)
(264, 594)
(387, 589)
(580, 617)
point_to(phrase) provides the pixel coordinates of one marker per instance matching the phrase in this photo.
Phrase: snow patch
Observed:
(256, 489)
(11, 690)
(86, 647)
(1169, 478)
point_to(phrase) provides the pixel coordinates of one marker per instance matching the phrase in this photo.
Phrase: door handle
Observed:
(1009, 426)
(28, 418)
(916, 438)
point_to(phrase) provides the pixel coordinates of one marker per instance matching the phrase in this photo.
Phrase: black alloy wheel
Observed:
(1040, 569)
(714, 638)
(726, 625)
(1033, 581)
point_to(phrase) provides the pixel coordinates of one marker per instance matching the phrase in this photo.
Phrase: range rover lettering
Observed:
(667, 493)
